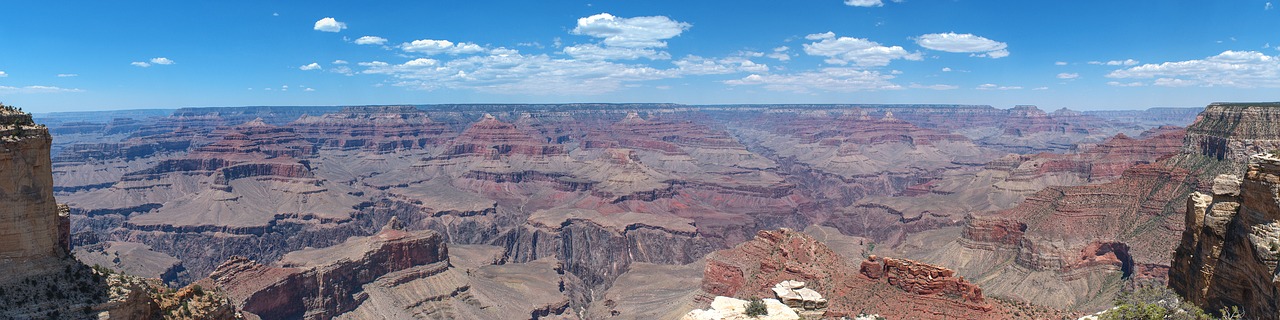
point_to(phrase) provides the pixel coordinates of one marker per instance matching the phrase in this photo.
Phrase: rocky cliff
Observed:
(1231, 246)
(30, 232)
(321, 283)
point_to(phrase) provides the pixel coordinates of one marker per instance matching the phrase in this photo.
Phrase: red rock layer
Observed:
(252, 149)
(381, 129)
(492, 138)
(894, 288)
(328, 285)
(1063, 228)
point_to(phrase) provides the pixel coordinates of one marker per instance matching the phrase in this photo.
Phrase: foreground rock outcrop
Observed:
(894, 288)
(31, 229)
(1231, 246)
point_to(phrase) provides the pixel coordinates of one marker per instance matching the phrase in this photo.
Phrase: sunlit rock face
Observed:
(31, 229)
(1231, 245)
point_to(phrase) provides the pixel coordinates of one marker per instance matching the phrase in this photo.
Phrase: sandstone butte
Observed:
(894, 288)
(1231, 245)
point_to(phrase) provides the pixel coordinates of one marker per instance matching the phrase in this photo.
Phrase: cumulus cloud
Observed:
(35, 89)
(2, 74)
(964, 43)
(858, 51)
(1060, 63)
(161, 61)
(1239, 69)
(309, 89)
(512, 72)
(339, 61)
(1125, 84)
(431, 46)
(863, 3)
(329, 24)
(595, 52)
(60, 75)
(780, 53)
(1068, 76)
(140, 64)
(990, 86)
(312, 66)
(1125, 62)
(637, 32)
(1267, 6)
(946, 69)
(695, 65)
(934, 86)
(374, 40)
(826, 79)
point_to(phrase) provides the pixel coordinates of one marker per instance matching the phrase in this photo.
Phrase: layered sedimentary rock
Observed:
(321, 283)
(379, 129)
(1231, 245)
(30, 232)
(1231, 132)
(889, 287)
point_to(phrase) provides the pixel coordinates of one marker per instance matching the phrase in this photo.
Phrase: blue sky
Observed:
(1084, 55)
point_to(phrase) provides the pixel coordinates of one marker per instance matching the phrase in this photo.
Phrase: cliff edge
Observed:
(1230, 248)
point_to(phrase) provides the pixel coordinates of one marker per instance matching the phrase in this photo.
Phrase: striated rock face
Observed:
(1234, 131)
(890, 287)
(321, 283)
(922, 279)
(379, 129)
(31, 233)
(1231, 246)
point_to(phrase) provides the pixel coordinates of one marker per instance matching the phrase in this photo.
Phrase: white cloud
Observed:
(339, 61)
(946, 69)
(309, 89)
(1240, 69)
(329, 24)
(861, 52)
(344, 70)
(511, 72)
(1060, 63)
(1125, 84)
(780, 53)
(371, 40)
(1125, 62)
(312, 66)
(1068, 76)
(826, 79)
(35, 89)
(964, 43)
(1267, 6)
(161, 61)
(863, 3)
(695, 65)
(431, 46)
(595, 52)
(2, 74)
(638, 32)
(989, 86)
(934, 86)
(60, 75)
(1040, 88)
(140, 64)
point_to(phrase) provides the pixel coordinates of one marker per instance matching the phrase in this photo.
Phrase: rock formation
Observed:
(890, 287)
(30, 232)
(1231, 245)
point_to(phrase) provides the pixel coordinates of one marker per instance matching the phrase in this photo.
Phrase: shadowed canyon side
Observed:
(1231, 245)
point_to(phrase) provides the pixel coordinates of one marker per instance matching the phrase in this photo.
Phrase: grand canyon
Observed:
(641, 211)
(671, 160)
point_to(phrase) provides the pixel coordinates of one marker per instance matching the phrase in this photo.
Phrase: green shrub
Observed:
(756, 308)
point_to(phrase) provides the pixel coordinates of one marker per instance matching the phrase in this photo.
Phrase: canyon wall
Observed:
(1231, 246)
(30, 225)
